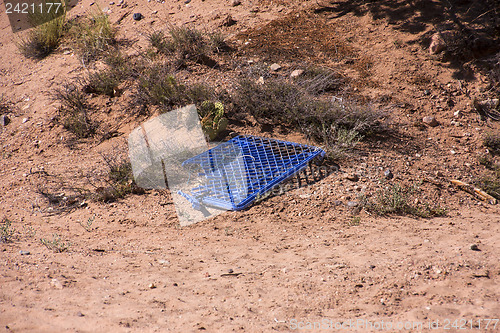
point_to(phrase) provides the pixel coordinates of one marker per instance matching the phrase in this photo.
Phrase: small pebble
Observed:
(388, 174)
(230, 271)
(24, 253)
(79, 314)
(235, 3)
(137, 16)
(474, 247)
(296, 73)
(56, 284)
(25, 120)
(431, 121)
(275, 67)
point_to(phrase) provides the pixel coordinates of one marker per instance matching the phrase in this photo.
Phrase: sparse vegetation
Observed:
(44, 38)
(274, 101)
(104, 82)
(488, 162)
(5, 105)
(339, 125)
(187, 44)
(340, 141)
(318, 80)
(55, 244)
(397, 199)
(158, 86)
(120, 180)
(490, 180)
(60, 202)
(28, 231)
(93, 37)
(217, 43)
(491, 184)
(157, 39)
(75, 111)
(88, 224)
(492, 142)
(355, 221)
(6, 231)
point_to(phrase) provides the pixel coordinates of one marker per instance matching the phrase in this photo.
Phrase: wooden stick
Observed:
(478, 193)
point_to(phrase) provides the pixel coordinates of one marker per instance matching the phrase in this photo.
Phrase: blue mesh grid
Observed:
(236, 172)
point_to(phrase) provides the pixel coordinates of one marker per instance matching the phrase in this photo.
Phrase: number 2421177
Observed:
(463, 324)
(32, 8)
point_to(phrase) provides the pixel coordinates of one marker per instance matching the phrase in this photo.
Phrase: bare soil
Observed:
(302, 255)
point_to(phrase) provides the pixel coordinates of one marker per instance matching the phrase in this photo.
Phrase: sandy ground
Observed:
(289, 261)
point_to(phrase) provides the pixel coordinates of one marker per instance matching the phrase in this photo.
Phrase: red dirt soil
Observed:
(303, 255)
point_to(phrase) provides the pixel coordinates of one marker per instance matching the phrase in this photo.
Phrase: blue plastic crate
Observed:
(238, 171)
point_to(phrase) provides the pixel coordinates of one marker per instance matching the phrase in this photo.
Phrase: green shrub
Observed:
(55, 244)
(44, 38)
(158, 86)
(397, 199)
(6, 231)
(93, 37)
(200, 92)
(104, 82)
(337, 125)
(158, 41)
(339, 141)
(187, 44)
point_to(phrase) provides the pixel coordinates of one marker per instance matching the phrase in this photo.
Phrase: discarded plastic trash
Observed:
(170, 151)
(240, 170)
